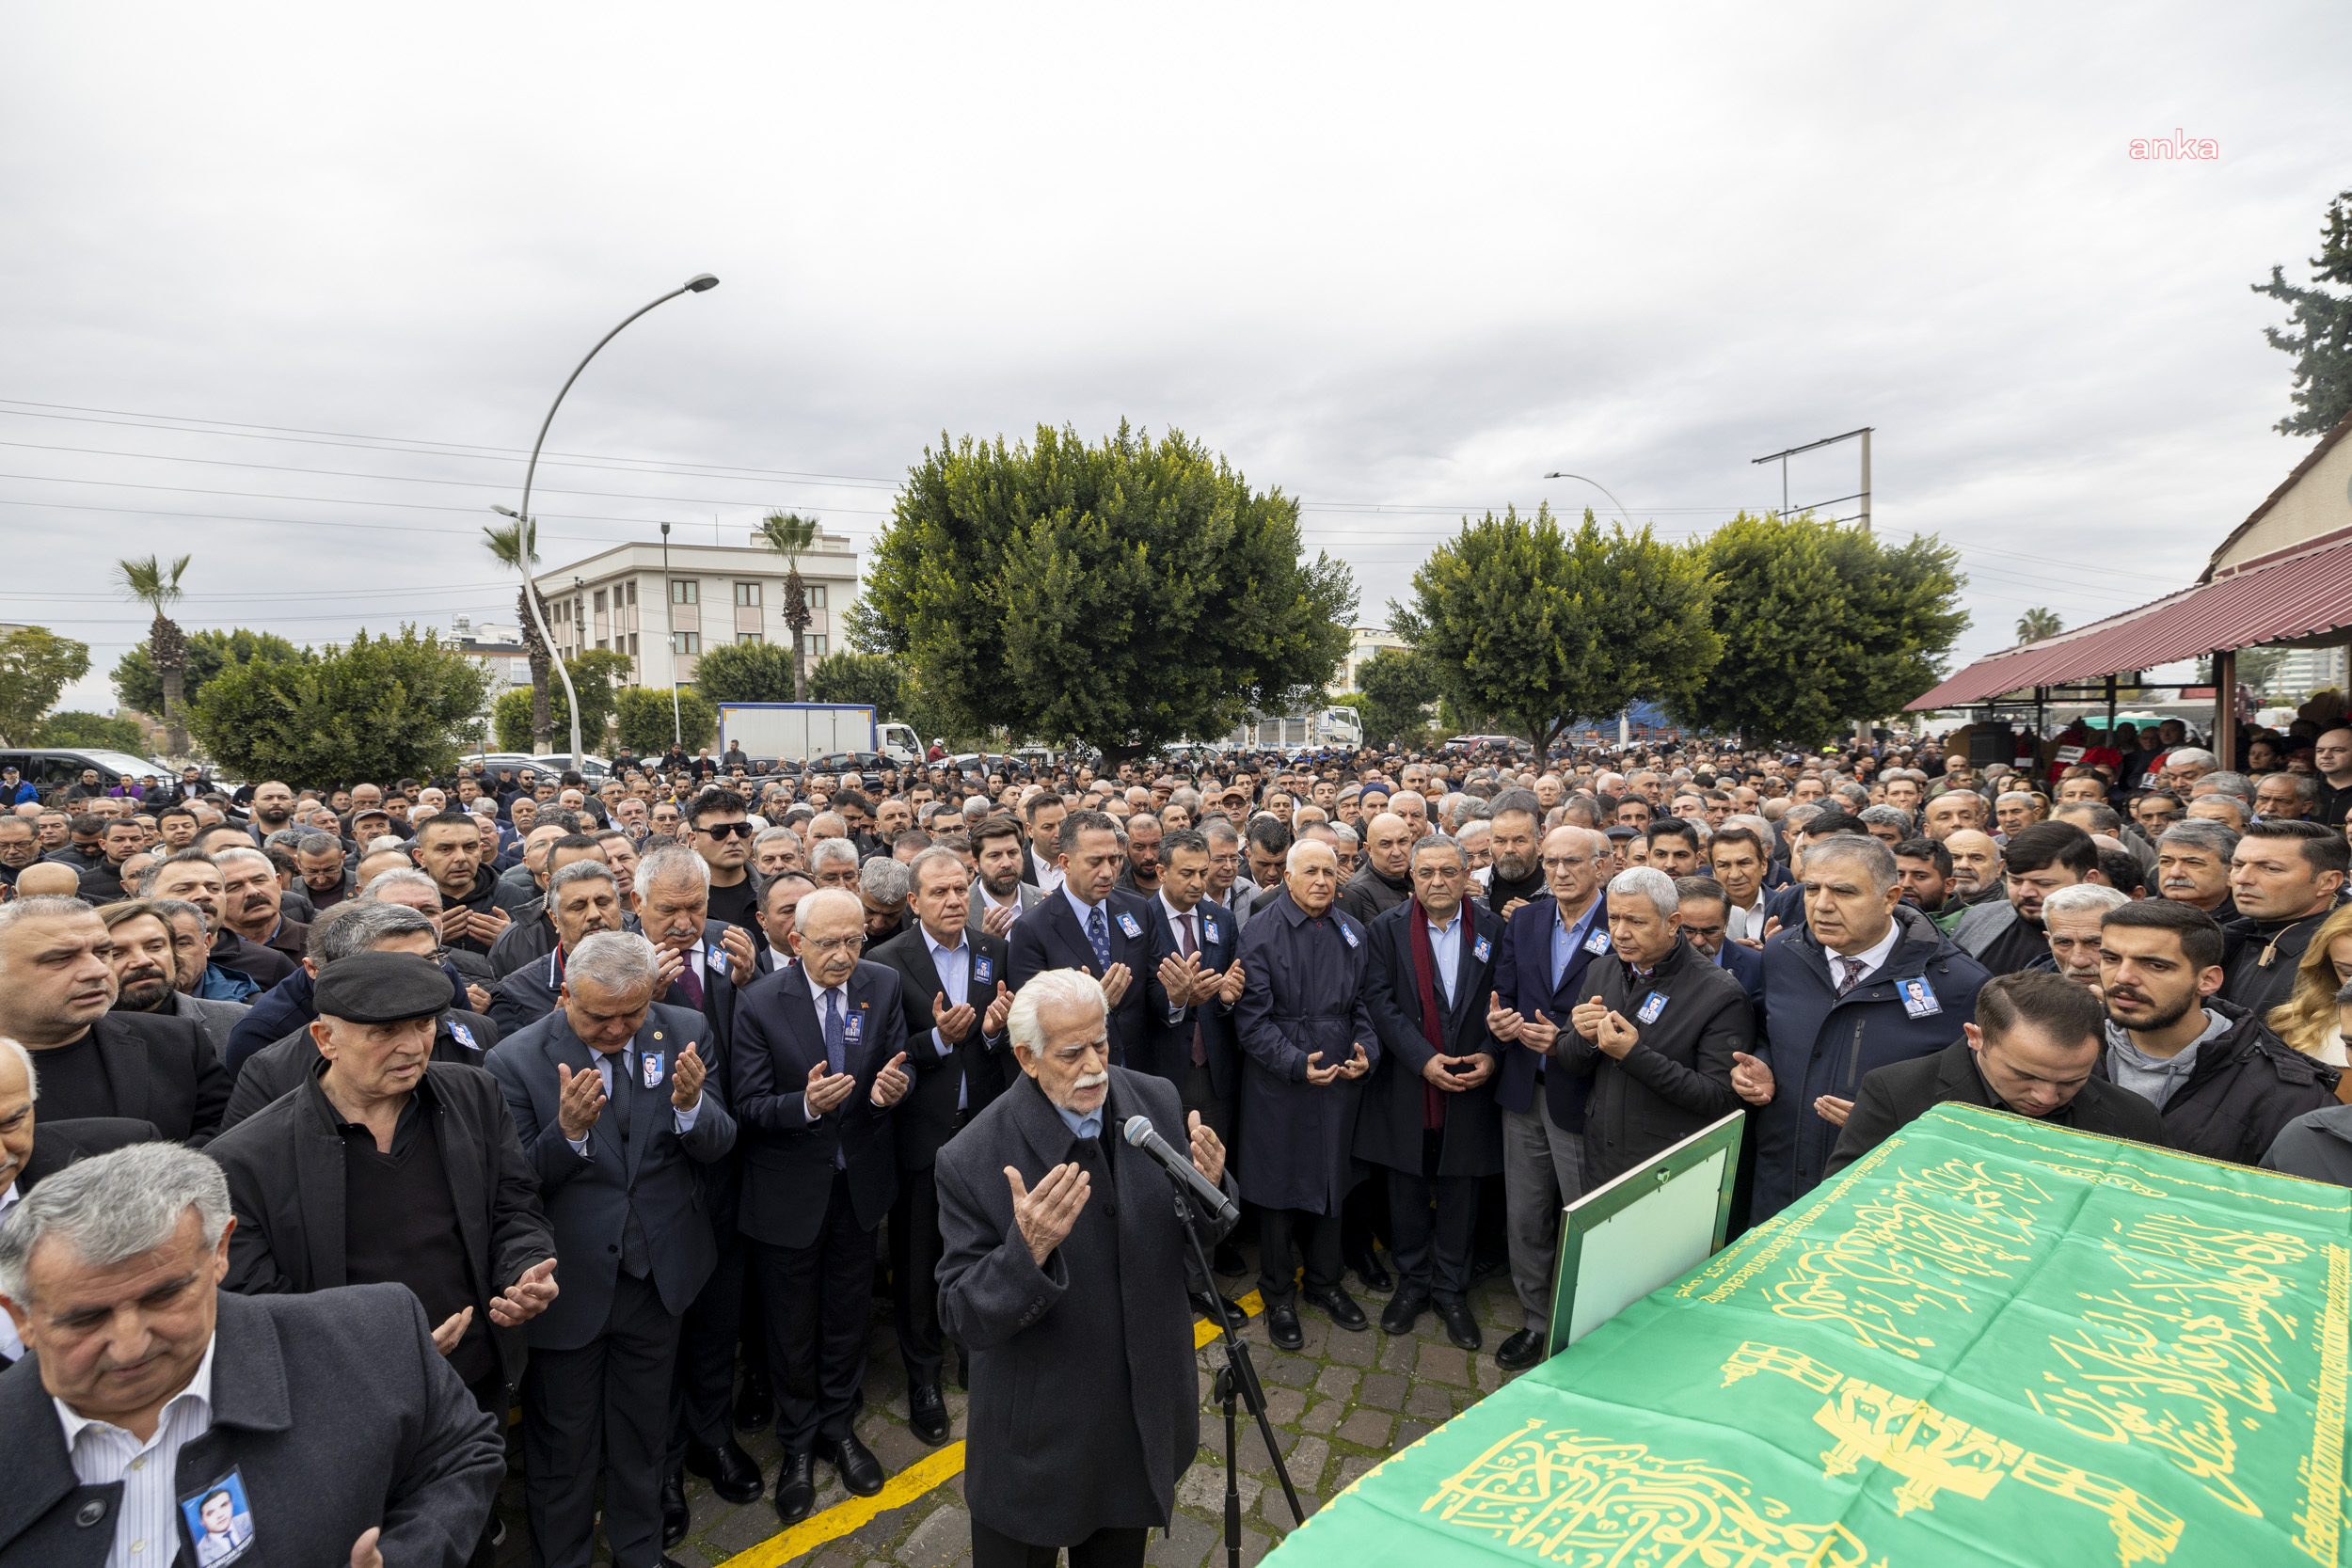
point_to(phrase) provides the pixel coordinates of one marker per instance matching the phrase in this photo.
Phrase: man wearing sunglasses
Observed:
(720, 830)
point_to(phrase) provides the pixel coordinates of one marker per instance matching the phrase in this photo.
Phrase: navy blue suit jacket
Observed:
(1050, 937)
(1168, 1053)
(1522, 978)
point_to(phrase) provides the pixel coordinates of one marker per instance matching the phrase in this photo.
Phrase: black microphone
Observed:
(1137, 1131)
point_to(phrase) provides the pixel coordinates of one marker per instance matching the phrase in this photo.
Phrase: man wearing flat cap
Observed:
(387, 1165)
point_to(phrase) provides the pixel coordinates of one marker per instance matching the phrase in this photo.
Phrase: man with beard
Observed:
(2224, 1084)
(2040, 859)
(2073, 916)
(253, 904)
(999, 896)
(1517, 876)
(1140, 877)
(2285, 877)
(144, 970)
(273, 809)
(448, 848)
(190, 877)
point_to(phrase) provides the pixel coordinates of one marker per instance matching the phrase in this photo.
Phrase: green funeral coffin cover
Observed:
(1988, 1341)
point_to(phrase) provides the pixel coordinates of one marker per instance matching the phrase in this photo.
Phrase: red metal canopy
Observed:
(2303, 591)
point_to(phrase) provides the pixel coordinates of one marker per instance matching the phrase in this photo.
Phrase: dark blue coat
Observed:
(1170, 1052)
(1522, 977)
(1304, 996)
(1050, 937)
(1388, 1128)
(1819, 1043)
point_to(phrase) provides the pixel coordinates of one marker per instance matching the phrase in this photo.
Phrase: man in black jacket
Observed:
(346, 1432)
(1386, 879)
(954, 999)
(586, 901)
(382, 1168)
(2033, 1051)
(56, 988)
(2224, 1082)
(2285, 877)
(1656, 1034)
(1429, 1114)
(448, 848)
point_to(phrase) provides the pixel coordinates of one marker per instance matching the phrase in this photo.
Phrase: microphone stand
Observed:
(1239, 1378)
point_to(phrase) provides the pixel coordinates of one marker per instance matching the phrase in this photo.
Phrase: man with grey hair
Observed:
(2193, 866)
(1063, 1256)
(2071, 918)
(611, 1107)
(583, 900)
(1866, 981)
(55, 988)
(832, 862)
(1656, 1035)
(883, 889)
(335, 1408)
(1889, 825)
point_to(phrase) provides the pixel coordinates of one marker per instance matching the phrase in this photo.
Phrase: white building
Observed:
(1363, 643)
(498, 650)
(712, 593)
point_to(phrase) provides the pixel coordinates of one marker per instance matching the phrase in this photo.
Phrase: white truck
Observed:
(1308, 729)
(799, 731)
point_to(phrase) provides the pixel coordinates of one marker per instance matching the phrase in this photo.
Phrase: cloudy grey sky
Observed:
(1398, 262)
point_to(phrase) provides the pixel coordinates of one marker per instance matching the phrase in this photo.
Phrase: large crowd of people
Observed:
(640, 1085)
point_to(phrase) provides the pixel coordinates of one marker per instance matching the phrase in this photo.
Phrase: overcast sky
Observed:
(1399, 262)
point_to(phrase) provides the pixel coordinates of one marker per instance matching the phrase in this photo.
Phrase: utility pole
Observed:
(1861, 727)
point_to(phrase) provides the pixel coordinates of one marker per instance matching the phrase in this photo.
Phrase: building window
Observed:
(747, 596)
(688, 642)
(599, 601)
(816, 597)
(632, 593)
(685, 591)
(599, 642)
(749, 637)
(519, 671)
(632, 644)
(816, 644)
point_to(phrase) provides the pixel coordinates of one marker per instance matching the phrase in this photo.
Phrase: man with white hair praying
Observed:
(1062, 1270)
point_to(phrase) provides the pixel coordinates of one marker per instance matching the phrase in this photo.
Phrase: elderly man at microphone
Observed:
(1062, 1271)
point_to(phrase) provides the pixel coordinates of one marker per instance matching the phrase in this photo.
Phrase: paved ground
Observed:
(1340, 1405)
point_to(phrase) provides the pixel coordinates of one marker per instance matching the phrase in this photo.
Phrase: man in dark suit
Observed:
(56, 988)
(586, 899)
(352, 1439)
(1704, 908)
(703, 962)
(821, 1060)
(1190, 1007)
(954, 998)
(1429, 1116)
(610, 1103)
(2033, 1051)
(1060, 1271)
(384, 1167)
(1086, 924)
(1539, 978)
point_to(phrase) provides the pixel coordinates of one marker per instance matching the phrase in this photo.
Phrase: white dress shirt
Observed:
(1873, 957)
(1010, 905)
(147, 1526)
(1445, 954)
(606, 1068)
(817, 1006)
(1176, 935)
(1745, 924)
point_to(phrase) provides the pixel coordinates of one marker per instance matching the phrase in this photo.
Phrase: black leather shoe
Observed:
(1461, 1325)
(927, 1412)
(754, 1407)
(1212, 1308)
(1404, 1311)
(796, 1487)
(674, 1516)
(732, 1473)
(1521, 1351)
(1368, 1269)
(1228, 1261)
(1341, 1306)
(861, 1472)
(1282, 1326)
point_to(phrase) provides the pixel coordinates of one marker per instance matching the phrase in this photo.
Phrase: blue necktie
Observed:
(835, 1059)
(1099, 933)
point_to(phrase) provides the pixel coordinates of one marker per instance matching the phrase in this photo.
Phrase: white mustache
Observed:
(1091, 1079)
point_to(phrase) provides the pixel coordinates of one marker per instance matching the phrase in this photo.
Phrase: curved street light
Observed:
(701, 282)
(1603, 489)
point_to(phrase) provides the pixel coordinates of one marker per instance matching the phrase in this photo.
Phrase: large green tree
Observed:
(1540, 628)
(873, 679)
(2319, 334)
(1129, 594)
(157, 586)
(790, 535)
(1396, 687)
(35, 665)
(377, 710)
(645, 718)
(1822, 623)
(87, 732)
(140, 685)
(746, 672)
(597, 675)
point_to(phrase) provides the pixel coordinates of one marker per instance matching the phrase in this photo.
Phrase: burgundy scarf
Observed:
(1432, 1016)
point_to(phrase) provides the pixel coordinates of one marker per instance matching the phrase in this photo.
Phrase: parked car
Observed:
(851, 762)
(46, 768)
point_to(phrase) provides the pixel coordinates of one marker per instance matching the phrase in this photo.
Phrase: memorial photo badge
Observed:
(219, 1521)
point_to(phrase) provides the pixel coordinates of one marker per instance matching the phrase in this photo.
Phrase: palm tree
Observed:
(2037, 624)
(516, 547)
(157, 586)
(788, 534)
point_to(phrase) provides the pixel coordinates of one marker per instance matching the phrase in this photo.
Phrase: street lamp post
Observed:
(1625, 728)
(699, 283)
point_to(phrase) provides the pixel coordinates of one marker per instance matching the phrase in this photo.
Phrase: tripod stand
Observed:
(1239, 1380)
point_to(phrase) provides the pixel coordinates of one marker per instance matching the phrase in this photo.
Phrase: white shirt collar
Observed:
(1082, 910)
(938, 946)
(1873, 957)
(198, 1393)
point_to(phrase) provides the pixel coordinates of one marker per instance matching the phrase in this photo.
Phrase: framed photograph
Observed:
(1647, 1228)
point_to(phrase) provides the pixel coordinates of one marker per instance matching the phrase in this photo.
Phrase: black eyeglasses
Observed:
(728, 830)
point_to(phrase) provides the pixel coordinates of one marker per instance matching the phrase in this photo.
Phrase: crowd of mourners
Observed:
(703, 1034)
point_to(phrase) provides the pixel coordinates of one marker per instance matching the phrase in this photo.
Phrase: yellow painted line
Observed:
(932, 1470)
